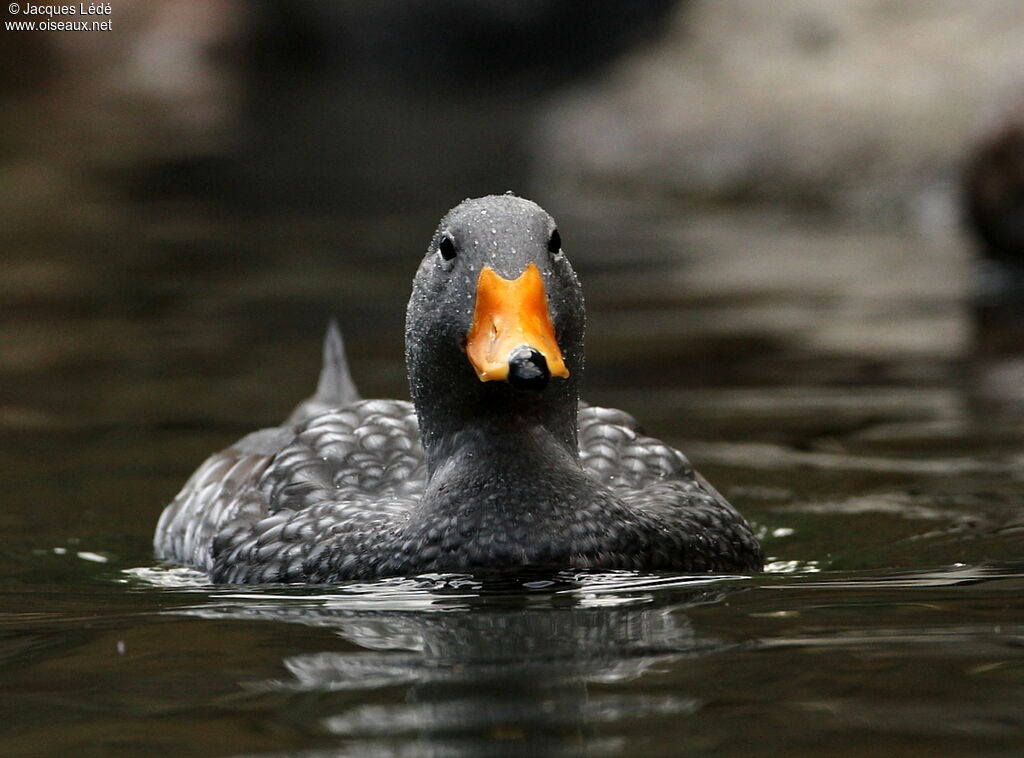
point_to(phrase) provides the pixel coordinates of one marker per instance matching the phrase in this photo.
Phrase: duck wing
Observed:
(344, 481)
(321, 448)
(221, 488)
(335, 388)
(615, 451)
(258, 510)
(654, 478)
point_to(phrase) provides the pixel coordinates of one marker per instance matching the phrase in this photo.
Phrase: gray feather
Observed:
(335, 387)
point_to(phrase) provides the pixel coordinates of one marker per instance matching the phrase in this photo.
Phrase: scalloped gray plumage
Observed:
(470, 475)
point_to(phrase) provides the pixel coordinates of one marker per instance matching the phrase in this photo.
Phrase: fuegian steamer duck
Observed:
(493, 465)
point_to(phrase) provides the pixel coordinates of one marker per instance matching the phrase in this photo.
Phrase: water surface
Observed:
(827, 380)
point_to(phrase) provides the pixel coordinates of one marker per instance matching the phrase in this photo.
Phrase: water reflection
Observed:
(602, 664)
(453, 669)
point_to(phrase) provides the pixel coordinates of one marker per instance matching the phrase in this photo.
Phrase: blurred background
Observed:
(770, 203)
(800, 230)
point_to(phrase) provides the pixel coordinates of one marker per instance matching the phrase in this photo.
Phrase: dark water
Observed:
(821, 379)
(829, 381)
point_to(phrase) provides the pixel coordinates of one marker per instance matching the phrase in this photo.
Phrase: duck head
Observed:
(494, 327)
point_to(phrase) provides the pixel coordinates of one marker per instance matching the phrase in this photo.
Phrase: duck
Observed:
(493, 465)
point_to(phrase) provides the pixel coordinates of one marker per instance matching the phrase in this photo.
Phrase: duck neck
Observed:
(501, 476)
(499, 429)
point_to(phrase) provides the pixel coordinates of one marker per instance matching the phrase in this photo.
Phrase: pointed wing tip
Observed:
(334, 344)
(335, 387)
(335, 380)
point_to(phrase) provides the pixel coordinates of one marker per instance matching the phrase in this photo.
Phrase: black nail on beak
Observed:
(528, 369)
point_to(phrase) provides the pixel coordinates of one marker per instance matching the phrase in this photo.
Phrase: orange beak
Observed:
(511, 314)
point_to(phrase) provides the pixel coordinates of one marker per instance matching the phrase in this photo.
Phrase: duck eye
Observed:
(555, 242)
(446, 247)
